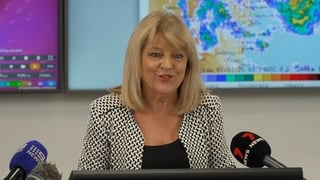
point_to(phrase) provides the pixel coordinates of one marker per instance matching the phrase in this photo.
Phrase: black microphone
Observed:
(26, 159)
(253, 151)
(44, 171)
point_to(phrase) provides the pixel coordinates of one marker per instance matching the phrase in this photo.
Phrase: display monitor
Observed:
(97, 34)
(241, 44)
(252, 44)
(30, 46)
(192, 174)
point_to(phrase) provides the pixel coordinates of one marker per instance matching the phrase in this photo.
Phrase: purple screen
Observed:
(29, 45)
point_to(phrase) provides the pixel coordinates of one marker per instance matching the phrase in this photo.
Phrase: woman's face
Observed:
(163, 67)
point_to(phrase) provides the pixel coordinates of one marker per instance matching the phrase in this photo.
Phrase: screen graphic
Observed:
(252, 44)
(29, 45)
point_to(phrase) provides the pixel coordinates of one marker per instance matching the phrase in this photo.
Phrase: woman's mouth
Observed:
(165, 77)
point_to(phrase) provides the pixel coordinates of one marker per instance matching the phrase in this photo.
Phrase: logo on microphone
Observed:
(237, 151)
(248, 135)
(36, 153)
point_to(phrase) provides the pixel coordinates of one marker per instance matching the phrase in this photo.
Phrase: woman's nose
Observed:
(167, 63)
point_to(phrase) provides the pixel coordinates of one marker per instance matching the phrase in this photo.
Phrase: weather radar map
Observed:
(252, 43)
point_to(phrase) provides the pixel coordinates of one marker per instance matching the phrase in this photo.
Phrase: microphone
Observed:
(26, 159)
(253, 151)
(44, 171)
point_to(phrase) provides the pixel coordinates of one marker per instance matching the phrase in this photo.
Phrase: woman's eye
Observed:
(154, 54)
(178, 56)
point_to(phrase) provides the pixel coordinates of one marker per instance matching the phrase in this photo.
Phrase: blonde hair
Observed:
(172, 29)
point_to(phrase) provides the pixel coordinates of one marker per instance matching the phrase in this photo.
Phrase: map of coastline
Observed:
(245, 36)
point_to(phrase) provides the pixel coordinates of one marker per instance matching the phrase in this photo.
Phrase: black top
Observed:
(167, 156)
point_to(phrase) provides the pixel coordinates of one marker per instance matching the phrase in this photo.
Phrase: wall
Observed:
(289, 121)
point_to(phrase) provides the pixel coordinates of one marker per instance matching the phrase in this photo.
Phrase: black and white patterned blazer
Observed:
(114, 141)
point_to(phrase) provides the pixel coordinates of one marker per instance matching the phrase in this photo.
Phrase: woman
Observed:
(162, 116)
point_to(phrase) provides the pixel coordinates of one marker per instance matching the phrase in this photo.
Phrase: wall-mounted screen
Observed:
(30, 46)
(252, 44)
(97, 36)
(241, 44)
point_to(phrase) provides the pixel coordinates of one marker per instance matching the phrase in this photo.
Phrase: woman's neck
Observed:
(160, 103)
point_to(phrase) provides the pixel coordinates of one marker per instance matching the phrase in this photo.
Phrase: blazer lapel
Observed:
(192, 135)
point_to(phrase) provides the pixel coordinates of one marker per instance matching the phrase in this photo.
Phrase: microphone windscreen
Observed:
(44, 171)
(28, 156)
(250, 149)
